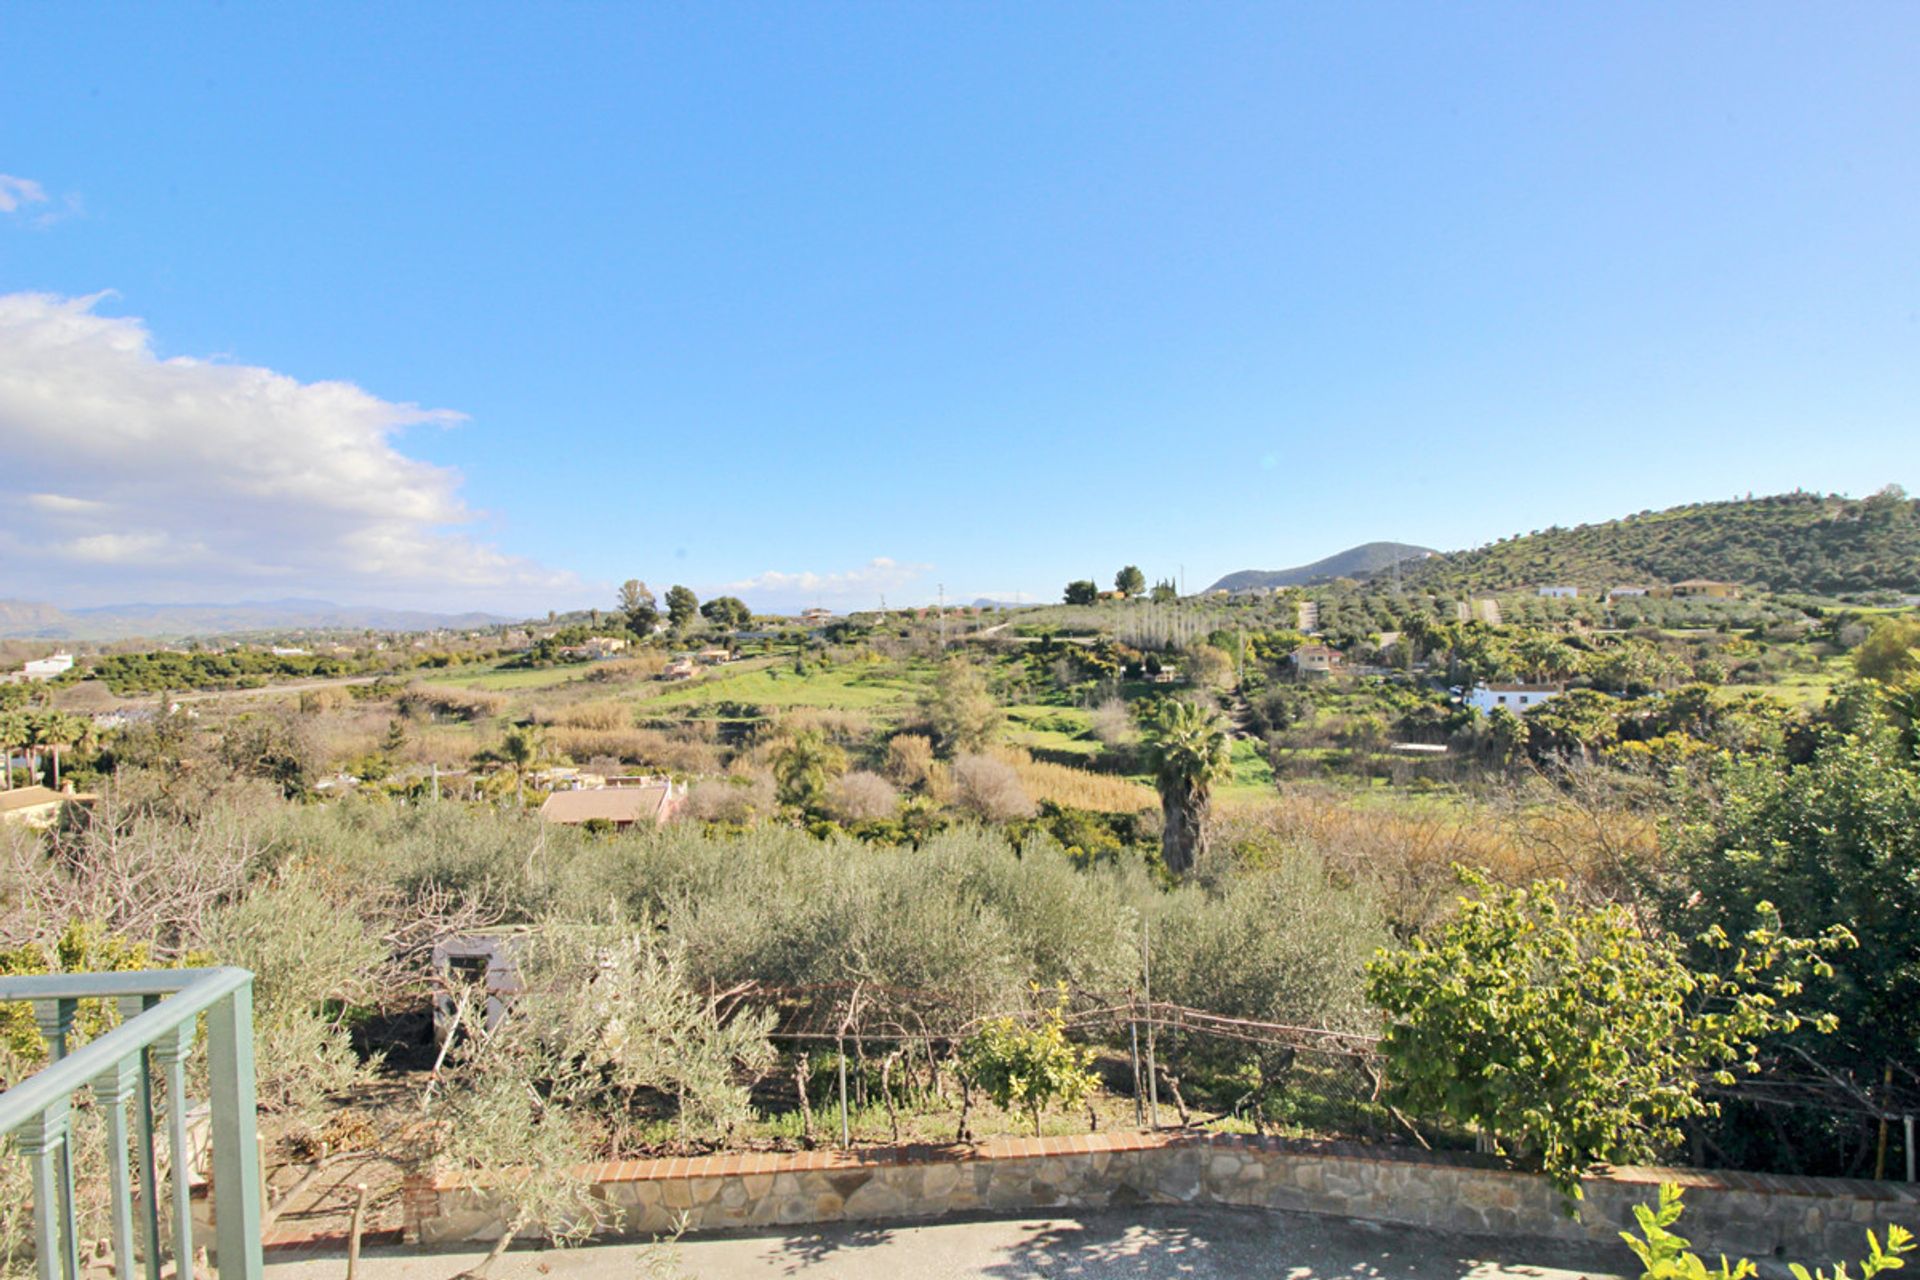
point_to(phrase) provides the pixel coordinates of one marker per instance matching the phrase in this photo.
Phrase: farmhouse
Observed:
(1623, 593)
(1315, 660)
(1560, 593)
(1519, 698)
(655, 802)
(51, 668)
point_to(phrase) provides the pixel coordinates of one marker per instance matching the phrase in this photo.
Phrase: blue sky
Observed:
(815, 302)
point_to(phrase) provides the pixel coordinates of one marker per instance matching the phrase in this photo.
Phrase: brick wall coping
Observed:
(994, 1149)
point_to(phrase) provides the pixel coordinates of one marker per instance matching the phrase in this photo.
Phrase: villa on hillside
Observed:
(1517, 698)
(1559, 593)
(1315, 660)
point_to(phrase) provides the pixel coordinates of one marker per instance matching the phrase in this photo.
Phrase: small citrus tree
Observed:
(1029, 1067)
(1570, 1036)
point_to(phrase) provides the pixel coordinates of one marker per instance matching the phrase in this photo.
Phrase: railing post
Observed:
(236, 1139)
(43, 1141)
(55, 1019)
(172, 1054)
(147, 1166)
(112, 1091)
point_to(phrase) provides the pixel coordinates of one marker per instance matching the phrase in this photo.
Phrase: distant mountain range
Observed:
(32, 620)
(1354, 562)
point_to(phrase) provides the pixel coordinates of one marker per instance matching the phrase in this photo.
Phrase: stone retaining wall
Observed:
(1759, 1215)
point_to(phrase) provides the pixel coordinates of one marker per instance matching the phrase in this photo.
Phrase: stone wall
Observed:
(1802, 1219)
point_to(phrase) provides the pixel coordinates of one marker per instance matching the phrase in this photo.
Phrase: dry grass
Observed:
(647, 747)
(604, 713)
(1077, 788)
(1410, 849)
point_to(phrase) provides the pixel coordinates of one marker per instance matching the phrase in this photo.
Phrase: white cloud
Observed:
(124, 473)
(860, 588)
(15, 192)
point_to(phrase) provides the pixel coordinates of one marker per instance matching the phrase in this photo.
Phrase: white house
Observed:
(1517, 698)
(1560, 593)
(48, 668)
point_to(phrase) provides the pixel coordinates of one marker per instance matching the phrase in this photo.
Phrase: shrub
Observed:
(909, 755)
(604, 714)
(1569, 1035)
(452, 702)
(1275, 944)
(861, 797)
(740, 800)
(311, 961)
(989, 789)
(1113, 724)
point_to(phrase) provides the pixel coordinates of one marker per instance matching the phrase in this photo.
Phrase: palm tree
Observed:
(1189, 749)
(68, 732)
(520, 748)
(13, 733)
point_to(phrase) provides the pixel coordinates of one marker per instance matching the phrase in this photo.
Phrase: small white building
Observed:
(1627, 593)
(1517, 698)
(50, 668)
(1560, 593)
(467, 964)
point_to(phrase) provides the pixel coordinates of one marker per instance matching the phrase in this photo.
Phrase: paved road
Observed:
(1147, 1243)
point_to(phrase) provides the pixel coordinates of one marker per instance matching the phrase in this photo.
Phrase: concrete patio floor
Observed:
(1149, 1242)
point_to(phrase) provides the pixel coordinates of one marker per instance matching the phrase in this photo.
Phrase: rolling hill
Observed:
(1354, 562)
(1791, 542)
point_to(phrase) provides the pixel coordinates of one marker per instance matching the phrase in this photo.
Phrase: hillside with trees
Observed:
(1790, 542)
(1354, 562)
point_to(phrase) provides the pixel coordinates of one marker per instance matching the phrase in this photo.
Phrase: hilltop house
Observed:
(1517, 698)
(654, 802)
(1559, 593)
(816, 615)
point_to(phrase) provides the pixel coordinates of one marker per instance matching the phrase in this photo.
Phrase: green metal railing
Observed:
(160, 1011)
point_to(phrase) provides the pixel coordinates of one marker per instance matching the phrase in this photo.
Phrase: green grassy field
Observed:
(1051, 729)
(1252, 775)
(1798, 689)
(845, 688)
(493, 677)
